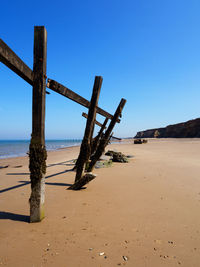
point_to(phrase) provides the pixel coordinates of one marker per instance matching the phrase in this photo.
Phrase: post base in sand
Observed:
(37, 201)
(37, 215)
(85, 179)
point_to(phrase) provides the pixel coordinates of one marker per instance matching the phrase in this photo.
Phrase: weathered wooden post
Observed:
(95, 141)
(106, 136)
(85, 150)
(37, 150)
(98, 137)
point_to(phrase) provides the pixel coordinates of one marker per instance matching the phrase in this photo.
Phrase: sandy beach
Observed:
(141, 213)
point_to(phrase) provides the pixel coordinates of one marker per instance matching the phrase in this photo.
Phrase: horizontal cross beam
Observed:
(96, 122)
(13, 62)
(61, 89)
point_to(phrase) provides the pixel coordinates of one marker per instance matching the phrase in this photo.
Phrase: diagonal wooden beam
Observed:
(61, 89)
(96, 140)
(13, 62)
(114, 137)
(96, 122)
(105, 139)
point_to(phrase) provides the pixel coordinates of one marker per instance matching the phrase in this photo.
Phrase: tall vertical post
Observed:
(105, 138)
(85, 150)
(37, 150)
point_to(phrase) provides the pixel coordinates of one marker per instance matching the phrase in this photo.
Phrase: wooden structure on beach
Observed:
(91, 148)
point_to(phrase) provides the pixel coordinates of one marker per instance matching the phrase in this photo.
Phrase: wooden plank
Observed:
(96, 140)
(96, 122)
(105, 139)
(117, 138)
(13, 62)
(85, 150)
(37, 150)
(61, 89)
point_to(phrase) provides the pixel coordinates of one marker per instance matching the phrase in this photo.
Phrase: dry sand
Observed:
(146, 210)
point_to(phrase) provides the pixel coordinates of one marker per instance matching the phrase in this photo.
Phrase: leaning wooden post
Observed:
(37, 150)
(93, 141)
(106, 136)
(98, 137)
(85, 149)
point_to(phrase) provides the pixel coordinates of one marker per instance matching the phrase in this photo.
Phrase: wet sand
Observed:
(141, 213)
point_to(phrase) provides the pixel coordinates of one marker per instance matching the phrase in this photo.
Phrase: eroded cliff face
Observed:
(187, 129)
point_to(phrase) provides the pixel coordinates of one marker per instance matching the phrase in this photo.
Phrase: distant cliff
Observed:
(187, 129)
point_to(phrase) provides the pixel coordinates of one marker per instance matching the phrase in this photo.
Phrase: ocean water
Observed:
(18, 148)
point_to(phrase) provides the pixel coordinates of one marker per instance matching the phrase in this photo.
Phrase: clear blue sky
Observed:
(148, 51)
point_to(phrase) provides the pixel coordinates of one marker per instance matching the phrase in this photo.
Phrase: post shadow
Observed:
(14, 217)
(27, 182)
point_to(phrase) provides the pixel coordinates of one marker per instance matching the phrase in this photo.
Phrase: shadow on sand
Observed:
(23, 218)
(23, 183)
(14, 217)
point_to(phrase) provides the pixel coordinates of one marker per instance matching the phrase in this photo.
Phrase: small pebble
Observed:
(90, 249)
(101, 253)
(125, 258)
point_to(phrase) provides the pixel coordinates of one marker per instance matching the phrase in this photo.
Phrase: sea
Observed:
(19, 148)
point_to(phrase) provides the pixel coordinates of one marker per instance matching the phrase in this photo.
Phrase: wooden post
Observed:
(37, 150)
(98, 137)
(106, 136)
(95, 141)
(85, 149)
